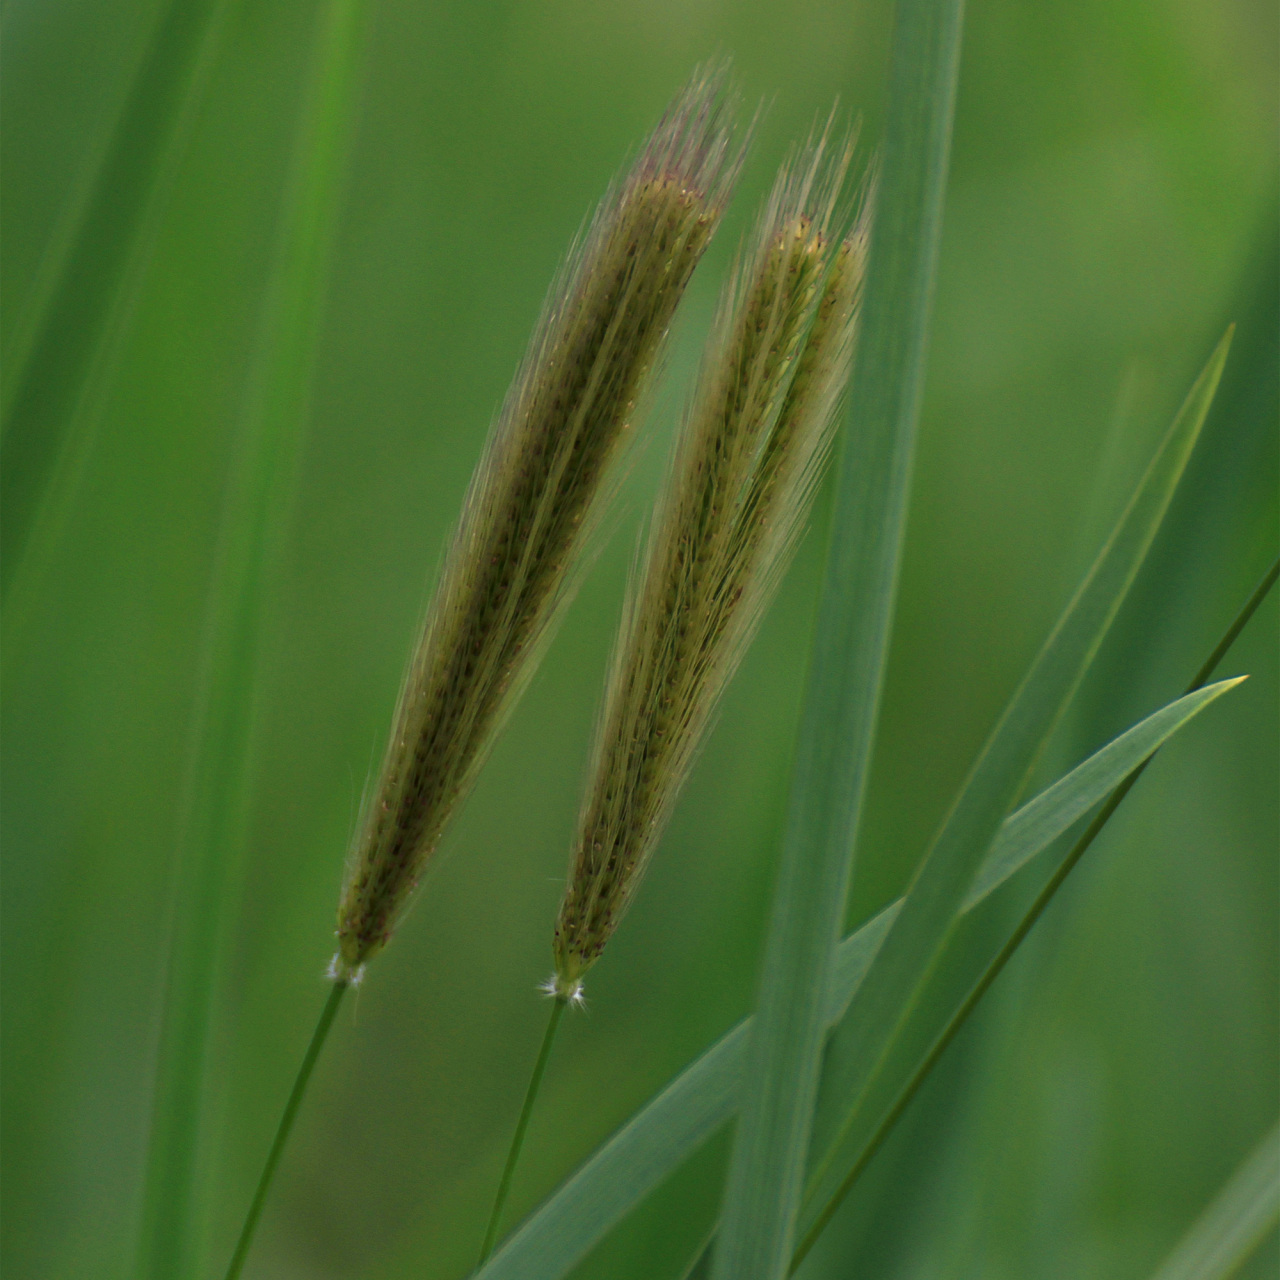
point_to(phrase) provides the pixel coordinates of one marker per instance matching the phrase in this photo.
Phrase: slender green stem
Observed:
(1247, 611)
(69, 341)
(513, 1156)
(213, 815)
(993, 970)
(287, 1118)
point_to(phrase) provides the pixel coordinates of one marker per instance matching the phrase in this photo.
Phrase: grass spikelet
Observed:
(531, 498)
(742, 476)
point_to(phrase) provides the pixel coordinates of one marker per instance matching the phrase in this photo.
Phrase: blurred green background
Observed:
(1113, 204)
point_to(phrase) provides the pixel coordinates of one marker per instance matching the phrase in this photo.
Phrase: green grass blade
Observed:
(657, 1139)
(644, 1152)
(874, 1130)
(837, 728)
(767, 1165)
(275, 410)
(62, 364)
(1042, 820)
(668, 1130)
(1225, 1235)
(887, 998)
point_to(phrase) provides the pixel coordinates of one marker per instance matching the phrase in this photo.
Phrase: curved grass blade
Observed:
(1042, 820)
(664, 1133)
(766, 1167)
(657, 1139)
(885, 1002)
(881, 1128)
(274, 414)
(62, 365)
(1234, 1224)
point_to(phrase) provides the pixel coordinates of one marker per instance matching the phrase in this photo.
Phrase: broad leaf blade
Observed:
(1225, 1235)
(886, 1000)
(766, 1167)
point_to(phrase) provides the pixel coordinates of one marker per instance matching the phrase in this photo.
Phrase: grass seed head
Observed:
(532, 497)
(743, 472)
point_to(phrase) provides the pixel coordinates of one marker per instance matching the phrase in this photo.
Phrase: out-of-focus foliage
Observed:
(1112, 205)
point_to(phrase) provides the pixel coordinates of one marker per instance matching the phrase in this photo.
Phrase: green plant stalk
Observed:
(558, 1004)
(861, 1045)
(766, 1169)
(213, 806)
(997, 964)
(63, 356)
(1225, 1236)
(318, 1037)
(698, 1268)
(674, 1123)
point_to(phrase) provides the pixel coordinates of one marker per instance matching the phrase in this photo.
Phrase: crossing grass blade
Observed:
(1226, 1234)
(275, 409)
(62, 361)
(1042, 820)
(670, 1128)
(885, 1002)
(767, 1163)
(879, 1123)
(656, 1141)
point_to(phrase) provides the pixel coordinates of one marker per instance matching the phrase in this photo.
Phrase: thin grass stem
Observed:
(54, 399)
(522, 1125)
(1247, 610)
(287, 1117)
(1034, 912)
(213, 812)
(70, 335)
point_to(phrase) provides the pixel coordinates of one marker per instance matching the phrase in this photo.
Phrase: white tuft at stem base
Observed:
(340, 971)
(560, 989)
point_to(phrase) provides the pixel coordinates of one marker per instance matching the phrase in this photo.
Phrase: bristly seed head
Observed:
(532, 499)
(743, 473)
